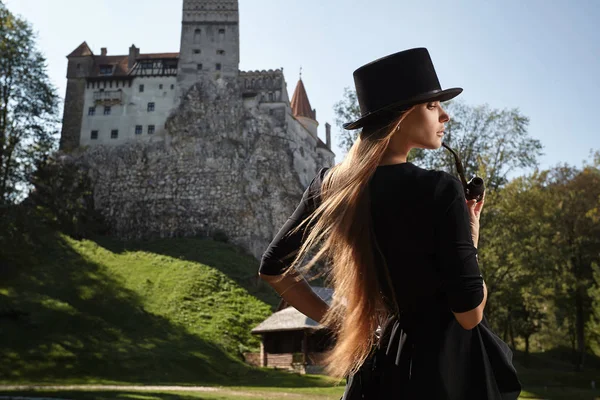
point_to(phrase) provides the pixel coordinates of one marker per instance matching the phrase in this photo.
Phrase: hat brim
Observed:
(441, 95)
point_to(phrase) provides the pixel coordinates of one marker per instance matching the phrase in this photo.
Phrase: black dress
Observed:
(421, 224)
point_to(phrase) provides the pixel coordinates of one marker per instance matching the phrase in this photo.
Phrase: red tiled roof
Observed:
(120, 62)
(81, 51)
(300, 104)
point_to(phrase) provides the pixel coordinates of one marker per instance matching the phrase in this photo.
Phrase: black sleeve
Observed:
(456, 253)
(284, 246)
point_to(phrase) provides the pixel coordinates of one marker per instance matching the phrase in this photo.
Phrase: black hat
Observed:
(394, 83)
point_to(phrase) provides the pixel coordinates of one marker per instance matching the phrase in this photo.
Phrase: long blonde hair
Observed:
(342, 225)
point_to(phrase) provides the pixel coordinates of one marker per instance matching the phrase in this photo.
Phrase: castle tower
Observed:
(302, 110)
(210, 41)
(80, 64)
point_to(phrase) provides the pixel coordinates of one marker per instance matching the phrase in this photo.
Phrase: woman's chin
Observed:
(433, 146)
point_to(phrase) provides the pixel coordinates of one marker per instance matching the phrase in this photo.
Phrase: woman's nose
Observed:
(444, 117)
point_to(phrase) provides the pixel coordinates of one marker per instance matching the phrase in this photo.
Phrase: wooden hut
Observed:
(291, 340)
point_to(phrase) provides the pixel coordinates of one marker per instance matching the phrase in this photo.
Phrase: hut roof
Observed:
(290, 319)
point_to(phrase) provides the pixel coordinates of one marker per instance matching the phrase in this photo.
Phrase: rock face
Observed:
(223, 164)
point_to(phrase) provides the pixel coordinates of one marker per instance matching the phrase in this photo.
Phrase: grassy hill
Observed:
(162, 311)
(168, 311)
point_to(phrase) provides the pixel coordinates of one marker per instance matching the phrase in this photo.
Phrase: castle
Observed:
(186, 143)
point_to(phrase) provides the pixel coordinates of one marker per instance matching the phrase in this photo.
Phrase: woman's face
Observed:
(423, 127)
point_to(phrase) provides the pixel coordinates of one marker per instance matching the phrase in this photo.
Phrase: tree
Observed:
(28, 107)
(63, 197)
(576, 205)
(513, 257)
(490, 143)
(347, 110)
(540, 253)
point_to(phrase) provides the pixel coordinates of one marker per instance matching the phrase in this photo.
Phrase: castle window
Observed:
(222, 31)
(114, 134)
(106, 70)
(199, 66)
(160, 86)
(270, 96)
(147, 64)
(138, 129)
(196, 51)
(141, 88)
(218, 67)
(170, 64)
(78, 67)
(94, 135)
(106, 110)
(92, 111)
(197, 34)
(172, 87)
(150, 107)
(150, 129)
(221, 52)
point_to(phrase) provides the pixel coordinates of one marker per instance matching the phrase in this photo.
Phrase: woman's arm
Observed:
(296, 291)
(293, 287)
(460, 274)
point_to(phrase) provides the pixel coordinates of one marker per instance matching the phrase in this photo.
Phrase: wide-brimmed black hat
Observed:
(395, 83)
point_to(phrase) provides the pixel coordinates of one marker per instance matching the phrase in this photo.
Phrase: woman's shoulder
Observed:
(312, 194)
(448, 187)
(315, 185)
(446, 178)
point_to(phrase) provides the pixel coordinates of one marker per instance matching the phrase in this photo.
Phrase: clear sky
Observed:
(541, 56)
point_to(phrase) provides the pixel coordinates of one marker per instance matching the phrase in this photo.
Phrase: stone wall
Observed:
(73, 111)
(218, 166)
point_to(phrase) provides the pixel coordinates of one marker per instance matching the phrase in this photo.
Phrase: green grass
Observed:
(170, 311)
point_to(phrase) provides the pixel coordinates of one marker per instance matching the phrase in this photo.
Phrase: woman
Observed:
(401, 246)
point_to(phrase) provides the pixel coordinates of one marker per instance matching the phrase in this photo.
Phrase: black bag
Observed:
(496, 369)
(364, 379)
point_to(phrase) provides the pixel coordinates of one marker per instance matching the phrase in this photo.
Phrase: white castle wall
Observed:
(130, 112)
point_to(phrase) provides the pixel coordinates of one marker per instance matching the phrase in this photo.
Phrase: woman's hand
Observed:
(474, 214)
